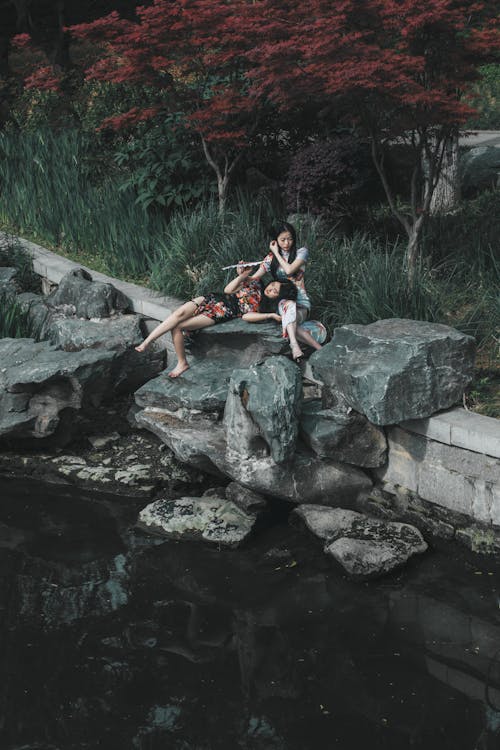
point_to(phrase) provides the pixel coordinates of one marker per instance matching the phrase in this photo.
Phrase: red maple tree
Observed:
(394, 69)
(175, 47)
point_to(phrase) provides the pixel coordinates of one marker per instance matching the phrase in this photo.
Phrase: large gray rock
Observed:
(238, 343)
(90, 299)
(203, 388)
(7, 279)
(213, 355)
(480, 169)
(304, 479)
(39, 385)
(211, 519)
(117, 334)
(397, 369)
(199, 443)
(341, 433)
(263, 405)
(365, 547)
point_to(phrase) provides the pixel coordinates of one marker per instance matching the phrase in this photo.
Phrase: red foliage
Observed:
(176, 47)
(394, 62)
(44, 79)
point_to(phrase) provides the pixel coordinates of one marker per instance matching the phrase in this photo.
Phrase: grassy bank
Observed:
(52, 194)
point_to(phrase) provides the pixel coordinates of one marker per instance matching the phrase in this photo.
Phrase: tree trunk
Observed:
(446, 194)
(413, 249)
(222, 185)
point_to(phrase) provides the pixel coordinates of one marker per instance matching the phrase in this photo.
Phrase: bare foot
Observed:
(142, 347)
(297, 354)
(178, 370)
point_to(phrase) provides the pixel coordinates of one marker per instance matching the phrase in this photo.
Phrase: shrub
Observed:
(485, 97)
(162, 165)
(329, 177)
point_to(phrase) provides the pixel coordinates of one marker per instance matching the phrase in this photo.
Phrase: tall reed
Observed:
(46, 188)
(15, 319)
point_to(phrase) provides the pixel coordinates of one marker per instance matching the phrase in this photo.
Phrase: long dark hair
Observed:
(288, 290)
(275, 231)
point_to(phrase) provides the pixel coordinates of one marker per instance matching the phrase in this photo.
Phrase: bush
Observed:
(485, 97)
(358, 280)
(162, 166)
(329, 177)
(468, 236)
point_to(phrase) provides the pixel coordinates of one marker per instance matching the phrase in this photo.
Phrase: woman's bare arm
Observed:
(255, 317)
(236, 283)
(288, 268)
(259, 273)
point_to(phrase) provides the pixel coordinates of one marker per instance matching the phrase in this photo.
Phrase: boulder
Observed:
(89, 298)
(480, 169)
(73, 334)
(244, 498)
(364, 546)
(7, 279)
(262, 409)
(210, 519)
(200, 443)
(117, 334)
(39, 386)
(237, 343)
(213, 355)
(201, 388)
(341, 433)
(304, 479)
(396, 369)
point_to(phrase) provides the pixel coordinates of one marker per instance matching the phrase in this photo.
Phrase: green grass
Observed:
(47, 190)
(14, 318)
(50, 193)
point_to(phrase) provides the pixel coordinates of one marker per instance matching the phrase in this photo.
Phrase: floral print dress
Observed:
(221, 307)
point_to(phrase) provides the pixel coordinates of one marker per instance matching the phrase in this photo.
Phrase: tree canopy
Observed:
(394, 70)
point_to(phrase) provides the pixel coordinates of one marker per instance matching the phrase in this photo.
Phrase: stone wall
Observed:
(450, 461)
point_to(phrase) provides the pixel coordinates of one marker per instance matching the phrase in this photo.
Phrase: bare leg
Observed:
(184, 312)
(297, 352)
(306, 337)
(194, 324)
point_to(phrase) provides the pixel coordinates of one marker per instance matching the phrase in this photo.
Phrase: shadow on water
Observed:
(113, 639)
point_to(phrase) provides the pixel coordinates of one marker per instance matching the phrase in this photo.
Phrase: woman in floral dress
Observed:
(243, 298)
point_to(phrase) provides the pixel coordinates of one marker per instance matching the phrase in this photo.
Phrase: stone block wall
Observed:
(451, 461)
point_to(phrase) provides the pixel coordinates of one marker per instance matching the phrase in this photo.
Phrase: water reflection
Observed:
(112, 639)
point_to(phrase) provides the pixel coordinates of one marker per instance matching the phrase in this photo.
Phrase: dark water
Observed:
(111, 639)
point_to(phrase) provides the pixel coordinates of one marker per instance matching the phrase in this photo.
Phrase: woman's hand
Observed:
(273, 246)
(243, 270)
(276, 317)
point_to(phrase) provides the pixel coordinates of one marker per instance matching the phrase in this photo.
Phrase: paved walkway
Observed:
(53, 267)
(481, 138)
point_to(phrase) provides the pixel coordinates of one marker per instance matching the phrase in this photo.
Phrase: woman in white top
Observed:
(285, 261)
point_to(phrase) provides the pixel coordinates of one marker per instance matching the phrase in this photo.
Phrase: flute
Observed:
(243, 265)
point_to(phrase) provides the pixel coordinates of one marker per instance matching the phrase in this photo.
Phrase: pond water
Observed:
(110, 638)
